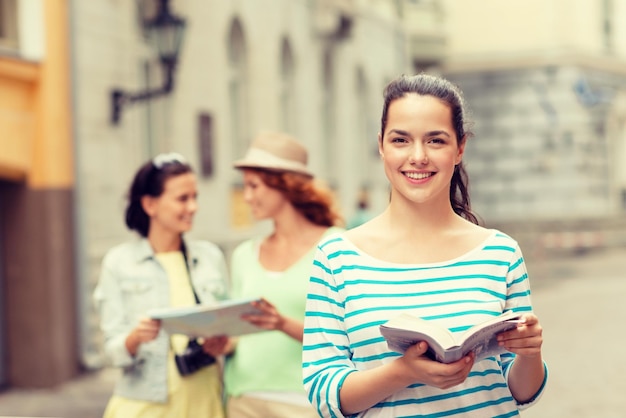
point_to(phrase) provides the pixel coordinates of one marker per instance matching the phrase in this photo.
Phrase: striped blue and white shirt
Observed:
(351, 294)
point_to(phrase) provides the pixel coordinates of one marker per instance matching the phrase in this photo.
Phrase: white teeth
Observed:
(418, 176)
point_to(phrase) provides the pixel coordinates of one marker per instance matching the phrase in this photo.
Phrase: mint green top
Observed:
(271, 360)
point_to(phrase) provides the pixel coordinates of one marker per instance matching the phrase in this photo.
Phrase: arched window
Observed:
(366, 127)
(328, 117)
(238, 90)
(608, 16)
(288, 111)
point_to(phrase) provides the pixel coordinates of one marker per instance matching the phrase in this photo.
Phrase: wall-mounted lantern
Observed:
(165, 31)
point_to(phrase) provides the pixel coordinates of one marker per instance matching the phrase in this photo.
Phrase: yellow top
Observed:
(195, 395)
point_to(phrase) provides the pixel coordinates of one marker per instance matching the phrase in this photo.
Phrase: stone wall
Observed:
(541, 149)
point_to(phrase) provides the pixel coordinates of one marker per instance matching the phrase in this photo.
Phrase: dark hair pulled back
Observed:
(451, 96)
(150, 181)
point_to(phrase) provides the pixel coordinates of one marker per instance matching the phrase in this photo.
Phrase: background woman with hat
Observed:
(263, 376)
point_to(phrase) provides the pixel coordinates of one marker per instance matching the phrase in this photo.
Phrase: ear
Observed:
(380, 146)
(148, 203)
(461, 150)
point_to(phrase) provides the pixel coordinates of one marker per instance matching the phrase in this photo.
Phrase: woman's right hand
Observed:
(433, 373)
(363, 389)
(147, 330)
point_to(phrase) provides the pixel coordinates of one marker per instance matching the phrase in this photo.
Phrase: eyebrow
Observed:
(428, 134)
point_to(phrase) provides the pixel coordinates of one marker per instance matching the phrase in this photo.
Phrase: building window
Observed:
(238, 90)
(607, 25)
(8, 25)
(287, 94)
(367, 128)
(328, 117)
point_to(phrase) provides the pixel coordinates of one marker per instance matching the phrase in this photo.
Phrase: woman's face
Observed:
(264, 201)
(419, 148)
(174, 209)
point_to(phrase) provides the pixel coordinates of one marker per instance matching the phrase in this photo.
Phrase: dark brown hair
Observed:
(451, 96)
(309, 198)
(149, 181)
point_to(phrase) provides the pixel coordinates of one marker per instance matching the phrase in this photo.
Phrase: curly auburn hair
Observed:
(311, 199)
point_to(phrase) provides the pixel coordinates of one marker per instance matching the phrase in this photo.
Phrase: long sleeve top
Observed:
(352, 293)
(132, 281)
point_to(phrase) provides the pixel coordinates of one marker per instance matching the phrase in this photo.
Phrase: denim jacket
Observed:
(132, 281)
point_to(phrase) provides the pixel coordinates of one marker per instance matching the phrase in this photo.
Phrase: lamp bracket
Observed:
(121, 98)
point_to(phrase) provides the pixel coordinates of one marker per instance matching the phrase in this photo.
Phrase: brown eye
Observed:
(398, 140)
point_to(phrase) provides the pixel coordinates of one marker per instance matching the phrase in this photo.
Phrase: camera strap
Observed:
(183, 249)
(193, 357)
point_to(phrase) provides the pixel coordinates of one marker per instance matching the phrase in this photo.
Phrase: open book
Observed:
(406, 330)
(221, 318)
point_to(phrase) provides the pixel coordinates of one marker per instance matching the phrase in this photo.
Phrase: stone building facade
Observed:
(545, 82)
(543, 148)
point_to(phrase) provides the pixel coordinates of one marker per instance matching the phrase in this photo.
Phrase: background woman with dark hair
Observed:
(263, 376)
(158, 270)
(425, 254)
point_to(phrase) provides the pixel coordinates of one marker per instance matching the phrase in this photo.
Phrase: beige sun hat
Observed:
(276, 151)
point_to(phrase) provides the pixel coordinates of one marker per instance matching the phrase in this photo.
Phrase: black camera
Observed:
(192, 359)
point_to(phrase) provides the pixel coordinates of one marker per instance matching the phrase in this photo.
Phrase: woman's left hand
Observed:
(269, 318)
(526, 339)
(216, 345)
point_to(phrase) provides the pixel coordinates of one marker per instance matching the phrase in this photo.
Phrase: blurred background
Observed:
(89, 90)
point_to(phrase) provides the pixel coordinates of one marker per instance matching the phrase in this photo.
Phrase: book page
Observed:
(406, 330)
(483, 338)
(505, 316)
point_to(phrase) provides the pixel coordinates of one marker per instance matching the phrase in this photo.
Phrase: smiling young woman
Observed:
(425, 254)
(419, 148)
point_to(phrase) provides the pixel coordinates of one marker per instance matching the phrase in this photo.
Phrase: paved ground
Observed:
(579, 299)
(83, 397)
(582, 305)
